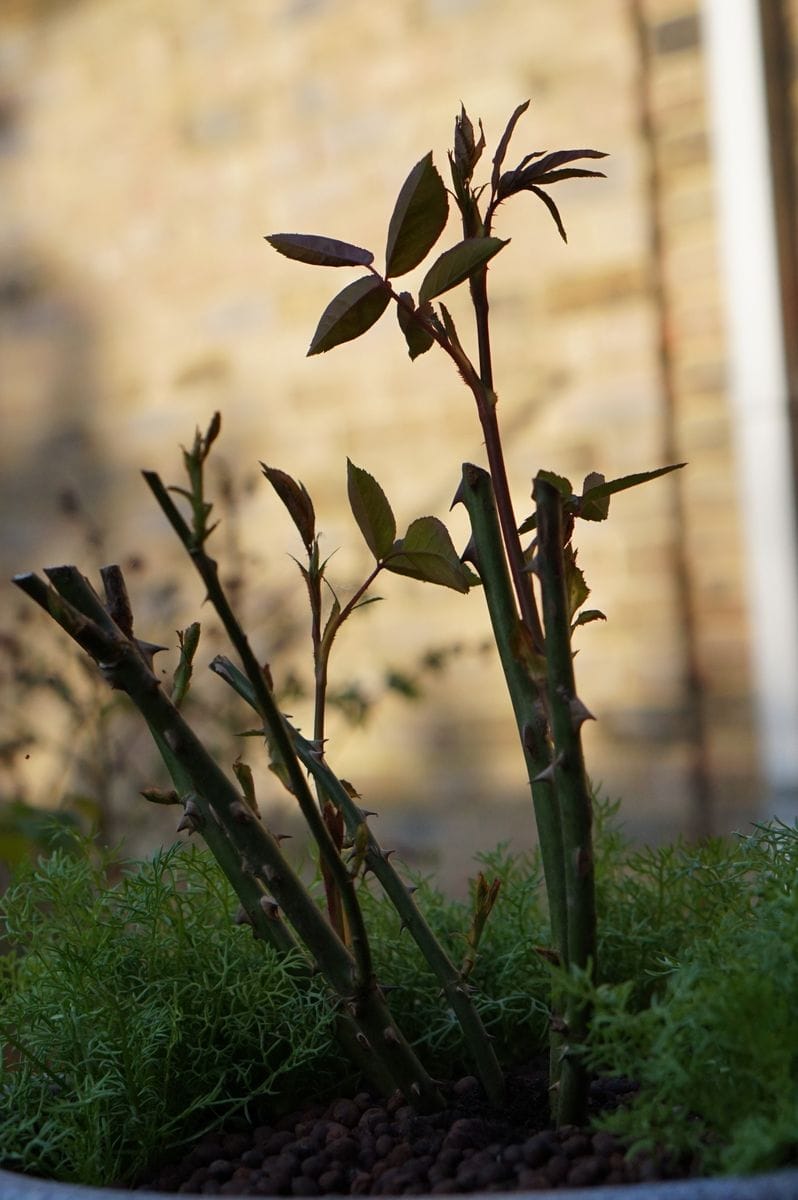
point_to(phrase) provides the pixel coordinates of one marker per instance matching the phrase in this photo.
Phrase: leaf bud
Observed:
(157, 795)
(467, 151)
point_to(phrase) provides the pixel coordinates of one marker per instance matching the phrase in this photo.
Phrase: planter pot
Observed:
(776, 1185)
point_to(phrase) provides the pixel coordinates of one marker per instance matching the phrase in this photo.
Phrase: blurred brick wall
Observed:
(145, 148)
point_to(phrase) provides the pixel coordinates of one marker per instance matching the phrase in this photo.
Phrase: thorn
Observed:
(470, 554)
(368, 812)
(415, 1088)
(459, 496)
(547, 774)
(281, 837)
(410, 888)
(241, 813)
(242, 917)
(148, 650)
(558, 1025)
(579, 713)
(317, 750)
(192, 817)
(548, 953)
(386, 854)
(363, 1040)
(390, 1034)
(269, 907)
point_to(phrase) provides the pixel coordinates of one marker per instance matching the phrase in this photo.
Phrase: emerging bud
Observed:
(467, 152)
(157, 795)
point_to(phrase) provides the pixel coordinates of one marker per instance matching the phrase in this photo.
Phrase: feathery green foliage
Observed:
(133, 1014)
(701, 1009)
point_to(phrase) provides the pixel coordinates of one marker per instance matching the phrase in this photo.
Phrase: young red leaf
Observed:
(296, 500)
(371, 510)
(567, 173)
(457, 264)
(504, 142)
(552, 207)
(320, 251)
(354, 310)
(550, 162)
(418, 218)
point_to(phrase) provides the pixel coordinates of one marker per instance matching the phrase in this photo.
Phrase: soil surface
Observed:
(363, 1146)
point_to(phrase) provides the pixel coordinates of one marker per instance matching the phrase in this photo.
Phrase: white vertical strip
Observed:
(757, 372)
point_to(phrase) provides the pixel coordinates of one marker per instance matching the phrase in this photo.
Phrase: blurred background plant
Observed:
(73, 753)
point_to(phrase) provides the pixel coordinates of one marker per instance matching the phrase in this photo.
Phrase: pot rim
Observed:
(772, 1185)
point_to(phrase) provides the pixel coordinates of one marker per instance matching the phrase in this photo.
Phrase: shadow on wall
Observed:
(63, 737)
(51, 462)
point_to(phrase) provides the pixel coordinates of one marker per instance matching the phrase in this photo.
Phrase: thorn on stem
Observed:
(269, 907)
(547, 775)
(470, 554)
(579, 713)
(241, 813)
